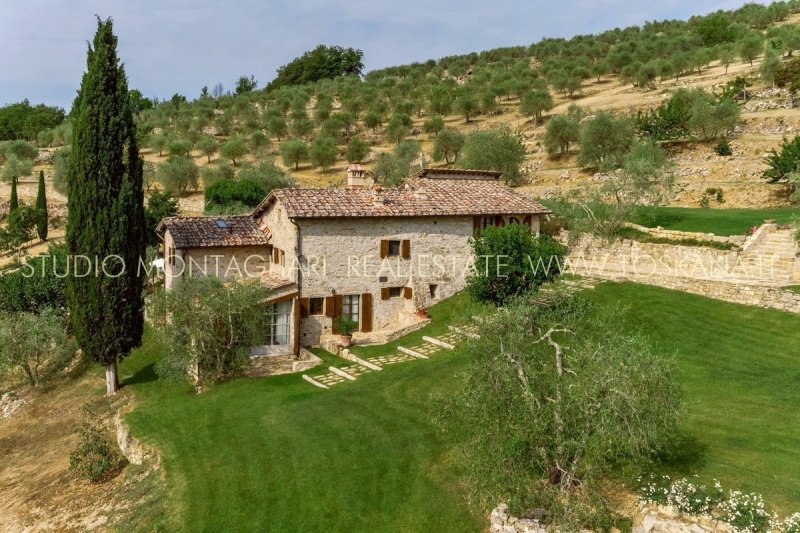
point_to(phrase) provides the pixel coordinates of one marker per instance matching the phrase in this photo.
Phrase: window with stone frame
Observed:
(394, 248)
(316, 306)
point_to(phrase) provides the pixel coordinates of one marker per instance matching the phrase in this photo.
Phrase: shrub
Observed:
(60, 160)
(160, 205)
(527, 262)
(745, 512)
(226, 192)
(345, 325)
(723, 148)
(690, 497)
(782, 164)
(94, 459)
(39, 284)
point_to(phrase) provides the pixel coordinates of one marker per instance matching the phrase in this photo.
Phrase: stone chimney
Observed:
(378, 198)
(356, 176)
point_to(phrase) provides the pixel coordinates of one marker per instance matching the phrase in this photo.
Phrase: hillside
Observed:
(342, 109)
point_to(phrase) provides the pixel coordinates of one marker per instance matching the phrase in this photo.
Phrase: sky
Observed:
(173, 46)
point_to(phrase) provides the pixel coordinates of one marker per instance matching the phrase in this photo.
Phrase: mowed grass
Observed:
(718, 221)
(277, 454)
(739, 367)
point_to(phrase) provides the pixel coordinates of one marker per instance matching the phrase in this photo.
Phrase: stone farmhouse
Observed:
(378, 256)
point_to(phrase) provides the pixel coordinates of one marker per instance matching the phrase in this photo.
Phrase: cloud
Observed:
(180, 45)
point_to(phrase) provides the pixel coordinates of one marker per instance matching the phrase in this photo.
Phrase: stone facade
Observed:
(346, 253)
(389, 253)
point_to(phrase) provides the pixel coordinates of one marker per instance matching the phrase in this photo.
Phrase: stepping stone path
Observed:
(356, 370)
(453, 338)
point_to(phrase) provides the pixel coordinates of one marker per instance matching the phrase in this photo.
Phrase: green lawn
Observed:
(277, 454)
(718, 221)
(740, 370)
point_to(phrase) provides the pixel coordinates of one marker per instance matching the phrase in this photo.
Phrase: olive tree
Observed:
(556, 397)
(499, 149)
(448, 145)
(605, 140)
(357, 150)
(534, 103)
(234, 149)
(322, 152)
(35, 344)
(178, 175)
(560, 133)
(293, 152)
(208, 146)
(208, 328)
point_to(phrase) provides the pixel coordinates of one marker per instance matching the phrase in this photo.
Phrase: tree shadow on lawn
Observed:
(145, 374)
(684, 453)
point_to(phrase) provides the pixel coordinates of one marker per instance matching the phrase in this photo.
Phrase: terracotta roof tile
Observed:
(420, 196)
(199, 232)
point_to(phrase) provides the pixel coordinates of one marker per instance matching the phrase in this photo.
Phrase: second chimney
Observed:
(356, 177)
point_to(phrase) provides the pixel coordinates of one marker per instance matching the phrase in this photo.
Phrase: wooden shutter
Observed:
(384, 293)
(304, 306)
(476, 226)
(405, 249)
(329, 306)
(337, 311)
(366, 312)
(276, 257)
(384, 248)
(498, 221)
(407, 293)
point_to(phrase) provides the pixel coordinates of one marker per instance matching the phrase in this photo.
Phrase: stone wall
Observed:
(133, 450)
(646, 519)
(758, 295)
(725, 275)
(284, 237)
(658, 519)
(674, 235)
(625, 257)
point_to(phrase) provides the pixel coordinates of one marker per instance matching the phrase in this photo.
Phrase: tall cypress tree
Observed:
(13, 203)
(41, 207)
(105, 220)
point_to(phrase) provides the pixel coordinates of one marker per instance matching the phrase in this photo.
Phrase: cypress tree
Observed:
(13, 203)
(105, 220)
(41, 207)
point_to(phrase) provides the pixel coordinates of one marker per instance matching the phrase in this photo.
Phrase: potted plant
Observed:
(345, 326)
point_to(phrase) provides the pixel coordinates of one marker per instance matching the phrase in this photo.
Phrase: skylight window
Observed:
(221, 223)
